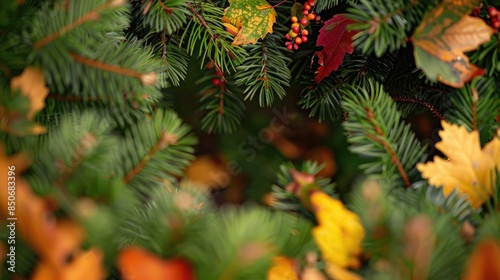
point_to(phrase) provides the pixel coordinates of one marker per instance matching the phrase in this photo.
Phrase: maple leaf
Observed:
(337, 41)
(469, 168)
(249, 19)
(441, 39)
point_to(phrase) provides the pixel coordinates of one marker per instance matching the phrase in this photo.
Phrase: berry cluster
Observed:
(298, 34)
(494, 17)
(493, 14)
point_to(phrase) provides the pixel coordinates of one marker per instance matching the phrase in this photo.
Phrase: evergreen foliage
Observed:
(91, 98)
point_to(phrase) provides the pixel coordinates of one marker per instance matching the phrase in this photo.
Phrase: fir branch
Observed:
(476, 106)
(154, 151)
(265, 71)
(384, 25)
(222, 109)
(381, 139)
(89, 16)
(376, 130)
(165, 140)
(206, 34)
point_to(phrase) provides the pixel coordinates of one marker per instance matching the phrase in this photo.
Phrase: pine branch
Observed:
(385, 25)
(206, 35)
(222, 109)
(89, 16)
(476, 107)
(161, 15)
(376, 130)
(265, 71)
(164, 141)
(153, 151)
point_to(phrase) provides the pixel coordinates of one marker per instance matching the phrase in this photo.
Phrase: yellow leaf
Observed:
(468, 168)
(251, 19)
(339, 233)
(32, 85)
(338, 273)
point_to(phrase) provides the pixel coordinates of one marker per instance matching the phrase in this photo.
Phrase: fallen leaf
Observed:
(468, 168)
(337, 41)
(483, 262)
(137, 263)
(206, 171)
(441, 39)
(339, 232)
(252, 18)
(84, 266)
(283, 269)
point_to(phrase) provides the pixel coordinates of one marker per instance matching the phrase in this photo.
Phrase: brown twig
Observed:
(423, 103)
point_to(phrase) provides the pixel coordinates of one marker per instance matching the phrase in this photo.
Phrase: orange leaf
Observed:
(483, 262)
(282, 269)
(137, 263)
(85, 266)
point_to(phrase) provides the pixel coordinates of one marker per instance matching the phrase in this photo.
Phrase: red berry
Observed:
(294, 19)
(492, 11)
(304, 21)
(295, 47)
(305, 12)
(296, 29)
(311, 16)
(304, 39)
(304, 32)
(216, 81)
(311, 3)
(307, 7)
(287, 36)
(288, 43)
(318, 18)
(496, 24)
(298, 41)
(289, 47)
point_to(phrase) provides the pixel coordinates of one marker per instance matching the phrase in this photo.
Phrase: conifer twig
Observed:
(165, 140)
(91, 15)
(394, 157)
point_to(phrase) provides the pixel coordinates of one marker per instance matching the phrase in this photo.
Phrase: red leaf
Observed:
(336, 41)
